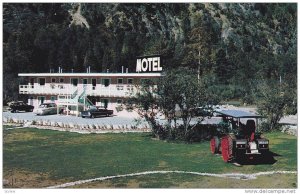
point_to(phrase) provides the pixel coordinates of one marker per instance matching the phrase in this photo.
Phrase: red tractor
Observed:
(237, 137)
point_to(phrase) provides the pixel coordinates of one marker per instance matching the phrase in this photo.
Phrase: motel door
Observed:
(41, 99)
(104, 103)
(31, 101)
(85, 81)
(94, 82)
(32, 82)
(74, 82)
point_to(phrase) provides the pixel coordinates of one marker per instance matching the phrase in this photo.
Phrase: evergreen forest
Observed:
(236, 46)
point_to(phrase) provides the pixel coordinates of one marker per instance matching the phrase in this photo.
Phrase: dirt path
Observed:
(227, 175)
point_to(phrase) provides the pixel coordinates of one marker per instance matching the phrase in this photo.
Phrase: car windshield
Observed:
(93, 108)
(46, 106)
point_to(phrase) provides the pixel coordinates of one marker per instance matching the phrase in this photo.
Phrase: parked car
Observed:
(96, 112)
(203, 112)
(20, 106)
(46, 109)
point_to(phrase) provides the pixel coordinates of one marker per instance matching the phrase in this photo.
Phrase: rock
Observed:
(5, 182)
(81, 126)
(14, 120)
(52, 123)
(60, 124)
(290, 129)
(4, 119)
(45, 123)
(115, 127)
(71, 125)
(27, 124)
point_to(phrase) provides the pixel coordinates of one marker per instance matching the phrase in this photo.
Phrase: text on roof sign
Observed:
(149, 64)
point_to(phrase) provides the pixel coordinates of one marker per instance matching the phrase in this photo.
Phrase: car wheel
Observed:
(83, 116)
(31, 110)
(13, 111)
(92, 116)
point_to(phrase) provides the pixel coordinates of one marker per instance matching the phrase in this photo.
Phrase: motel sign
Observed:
(148, 64)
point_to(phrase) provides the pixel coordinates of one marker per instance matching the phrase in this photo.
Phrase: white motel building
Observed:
(81, 90)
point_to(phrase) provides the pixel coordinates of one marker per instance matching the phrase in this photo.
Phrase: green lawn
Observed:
(39, 158)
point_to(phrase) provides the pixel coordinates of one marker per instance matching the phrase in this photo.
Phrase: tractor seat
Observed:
(250, 129)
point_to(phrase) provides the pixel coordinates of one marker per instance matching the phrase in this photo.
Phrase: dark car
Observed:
(20, 106)
(96, 112)
(203, 112)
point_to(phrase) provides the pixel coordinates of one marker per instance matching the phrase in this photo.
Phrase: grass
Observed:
(194, 181)
(55, 157)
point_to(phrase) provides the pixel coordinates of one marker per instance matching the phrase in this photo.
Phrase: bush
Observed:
(196, 133)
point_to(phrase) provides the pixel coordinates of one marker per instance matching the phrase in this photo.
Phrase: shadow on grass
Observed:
(266, 158)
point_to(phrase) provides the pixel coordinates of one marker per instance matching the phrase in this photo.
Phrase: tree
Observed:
(274, 101)
(180, 87)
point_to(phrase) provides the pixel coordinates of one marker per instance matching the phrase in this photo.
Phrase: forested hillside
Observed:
(237, 45)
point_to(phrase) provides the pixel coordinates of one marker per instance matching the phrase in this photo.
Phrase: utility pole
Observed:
(199, 63)
(198, 71)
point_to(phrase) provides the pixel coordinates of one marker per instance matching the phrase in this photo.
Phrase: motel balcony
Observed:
(112, 90)
(51, 89)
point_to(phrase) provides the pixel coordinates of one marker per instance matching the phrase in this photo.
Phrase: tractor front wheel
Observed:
(226, 145)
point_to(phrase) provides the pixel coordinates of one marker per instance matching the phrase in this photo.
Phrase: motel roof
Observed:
(90, 74)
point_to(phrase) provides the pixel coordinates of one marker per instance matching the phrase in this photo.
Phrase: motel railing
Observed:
(112, 90)
(51, 89)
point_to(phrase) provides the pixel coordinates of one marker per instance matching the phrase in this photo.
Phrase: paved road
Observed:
(114, 120)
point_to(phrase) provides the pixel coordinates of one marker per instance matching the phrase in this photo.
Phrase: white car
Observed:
(46, 109)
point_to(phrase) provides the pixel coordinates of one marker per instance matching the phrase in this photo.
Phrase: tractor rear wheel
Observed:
(226, 145)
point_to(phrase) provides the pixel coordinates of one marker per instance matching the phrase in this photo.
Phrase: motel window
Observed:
(106, 82)
(32, 81)
(85, 81)
(129, 81)
(120, 80)
(53, 80)
(74, 81)
(61, 80)
(42, 81)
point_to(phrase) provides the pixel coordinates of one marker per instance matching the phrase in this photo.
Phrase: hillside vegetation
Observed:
(236, 45)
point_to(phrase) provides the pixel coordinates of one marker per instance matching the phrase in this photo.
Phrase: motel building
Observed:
(78, 91)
